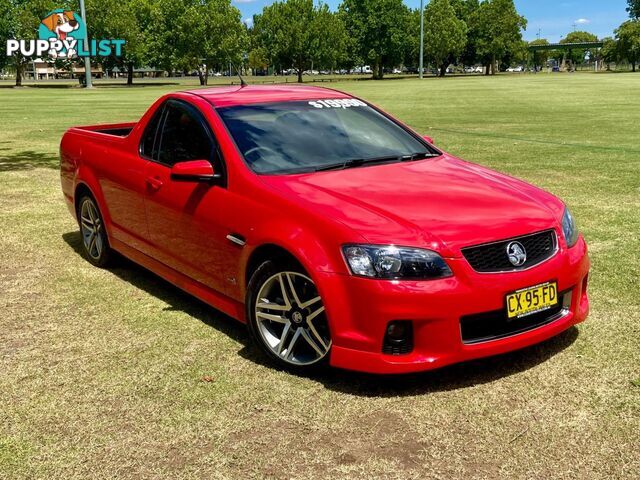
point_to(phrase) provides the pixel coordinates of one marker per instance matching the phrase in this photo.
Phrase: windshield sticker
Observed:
(338, 103)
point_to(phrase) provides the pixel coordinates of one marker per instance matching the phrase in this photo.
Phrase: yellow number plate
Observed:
(532, 300)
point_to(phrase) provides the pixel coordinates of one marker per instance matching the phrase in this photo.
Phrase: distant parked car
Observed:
(479, 69)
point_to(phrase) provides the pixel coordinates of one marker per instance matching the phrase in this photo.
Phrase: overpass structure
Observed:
(566, 46)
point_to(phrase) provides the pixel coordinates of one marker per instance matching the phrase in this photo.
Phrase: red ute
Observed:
(336, 232)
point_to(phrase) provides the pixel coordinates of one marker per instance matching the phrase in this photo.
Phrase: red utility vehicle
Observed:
(336, 232)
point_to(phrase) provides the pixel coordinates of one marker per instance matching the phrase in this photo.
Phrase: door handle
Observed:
(154, 182)
(237, 239)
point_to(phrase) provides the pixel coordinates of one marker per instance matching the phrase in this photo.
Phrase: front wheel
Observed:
(286, 317)
(94, 237)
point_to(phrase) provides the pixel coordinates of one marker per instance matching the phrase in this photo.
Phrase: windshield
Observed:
(295, 137)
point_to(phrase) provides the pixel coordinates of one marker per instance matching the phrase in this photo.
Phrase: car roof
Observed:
(251, 94)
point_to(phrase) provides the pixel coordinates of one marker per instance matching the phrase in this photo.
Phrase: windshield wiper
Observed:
(418, 156)
(353, 162)
(357, 162)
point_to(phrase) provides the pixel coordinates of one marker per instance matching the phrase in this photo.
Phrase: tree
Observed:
(378, 29)
(188, 35)
(133, 23)
(540, 57)
(445, 35)
(628, 36)
(518, 55)
(609, 51)
(497, 27)
(21, 21)
(300, 34)
(634, 8)
(212, 33)
(412, 43)
(328, 39)
(464, 11)
(165, 48)
(577, 56)
(5, 12)
(464, 8)
(258, 59)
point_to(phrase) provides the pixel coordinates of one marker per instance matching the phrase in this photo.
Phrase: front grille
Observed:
(492, 257)
(485, 326)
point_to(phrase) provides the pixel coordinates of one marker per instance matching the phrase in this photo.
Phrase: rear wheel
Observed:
(286, 317)
(94, 237)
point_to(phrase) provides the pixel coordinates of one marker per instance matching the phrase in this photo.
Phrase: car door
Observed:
(121, 177)
(183, 217)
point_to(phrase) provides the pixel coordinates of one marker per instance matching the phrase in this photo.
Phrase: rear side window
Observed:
(149, 136)
(183, 136)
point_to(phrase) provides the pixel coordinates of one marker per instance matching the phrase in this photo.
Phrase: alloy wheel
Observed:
(92, 229)
(291, 320)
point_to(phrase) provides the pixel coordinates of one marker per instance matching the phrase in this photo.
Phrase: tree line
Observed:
(383, 34)
(623, 47)
(298, 35)
(626, 44)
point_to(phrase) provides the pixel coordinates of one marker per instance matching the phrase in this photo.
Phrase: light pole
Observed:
(421, 36)
(87, 59)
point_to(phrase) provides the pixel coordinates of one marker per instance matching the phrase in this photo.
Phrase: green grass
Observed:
(102, 372)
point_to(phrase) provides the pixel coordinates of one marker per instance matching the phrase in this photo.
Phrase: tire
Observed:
(95, 243)
(286, 317)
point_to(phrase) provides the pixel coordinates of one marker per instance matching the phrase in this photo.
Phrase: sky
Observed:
(554, 19)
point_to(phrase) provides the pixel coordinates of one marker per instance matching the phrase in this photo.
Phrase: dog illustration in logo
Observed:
(62, 24)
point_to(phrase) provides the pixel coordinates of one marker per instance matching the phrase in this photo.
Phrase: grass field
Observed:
(115, 373)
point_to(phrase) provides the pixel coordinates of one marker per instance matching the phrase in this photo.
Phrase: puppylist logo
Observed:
(63, 34)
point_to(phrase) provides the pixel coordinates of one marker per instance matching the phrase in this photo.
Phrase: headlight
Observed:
(569, 228)
(391, 262)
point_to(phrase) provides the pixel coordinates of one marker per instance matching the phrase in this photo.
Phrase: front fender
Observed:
(315, 242)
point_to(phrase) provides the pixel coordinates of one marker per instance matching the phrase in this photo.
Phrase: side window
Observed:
(183, 136)
(149, 135)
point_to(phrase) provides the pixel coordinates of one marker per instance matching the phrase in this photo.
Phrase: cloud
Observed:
(248, 21)
(243, 1)
(582, 21)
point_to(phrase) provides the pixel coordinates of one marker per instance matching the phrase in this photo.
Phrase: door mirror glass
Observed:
(428, 139)
(193, 171)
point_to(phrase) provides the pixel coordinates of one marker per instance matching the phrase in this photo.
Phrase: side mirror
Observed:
(428, 139)
(194, 171)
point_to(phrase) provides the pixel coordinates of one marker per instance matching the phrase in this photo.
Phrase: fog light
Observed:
(398, 338)
(396, 331)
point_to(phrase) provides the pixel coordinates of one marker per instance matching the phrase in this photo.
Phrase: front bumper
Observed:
(359, 310)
